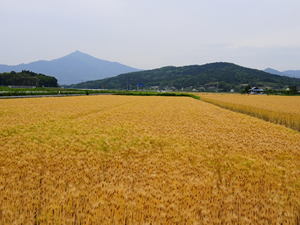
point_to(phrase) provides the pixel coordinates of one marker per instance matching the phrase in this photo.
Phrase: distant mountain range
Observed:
(289, 73)
(78, 68)
(73, 68)
(221, 74)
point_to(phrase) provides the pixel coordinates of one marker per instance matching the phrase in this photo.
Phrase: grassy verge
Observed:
(5, 91)
(48, 91)
(140, 93)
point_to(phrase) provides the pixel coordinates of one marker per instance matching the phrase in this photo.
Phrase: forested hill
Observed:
(226, 74)
(27, 78)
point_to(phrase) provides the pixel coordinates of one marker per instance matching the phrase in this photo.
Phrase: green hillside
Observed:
(225, 75)
(27, 78)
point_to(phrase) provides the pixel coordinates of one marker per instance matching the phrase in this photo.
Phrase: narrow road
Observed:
(42, 96)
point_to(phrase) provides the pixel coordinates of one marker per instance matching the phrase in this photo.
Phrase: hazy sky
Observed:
(148, 34)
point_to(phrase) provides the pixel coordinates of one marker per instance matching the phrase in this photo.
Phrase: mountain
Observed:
(290, 73)
(225, 75)
(73, 68)
(272, 71)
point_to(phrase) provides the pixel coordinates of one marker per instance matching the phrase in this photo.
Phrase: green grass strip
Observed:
(141, 93)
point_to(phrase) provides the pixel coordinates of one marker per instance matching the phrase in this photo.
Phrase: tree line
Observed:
(27, 78)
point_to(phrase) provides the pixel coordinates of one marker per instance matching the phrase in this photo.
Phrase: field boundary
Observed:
(166, 94)
(171, 94)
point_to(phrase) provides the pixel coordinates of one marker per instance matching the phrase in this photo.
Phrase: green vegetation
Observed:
(6, 91)
(148, 93)
(292, 90)
(27, 78)
(225, 76)
(246, 89)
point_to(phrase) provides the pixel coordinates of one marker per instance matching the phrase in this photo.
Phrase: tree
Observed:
(293, 90)
(246, 89)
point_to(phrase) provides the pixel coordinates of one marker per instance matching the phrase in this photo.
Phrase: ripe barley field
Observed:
(144, 160)
(284, 110)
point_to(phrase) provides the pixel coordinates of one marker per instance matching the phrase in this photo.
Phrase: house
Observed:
(212, 87)
(255, 91)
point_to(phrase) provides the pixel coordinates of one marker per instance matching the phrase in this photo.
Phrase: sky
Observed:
(148, 34)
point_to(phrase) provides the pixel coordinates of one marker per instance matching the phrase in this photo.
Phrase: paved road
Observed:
(42, 96)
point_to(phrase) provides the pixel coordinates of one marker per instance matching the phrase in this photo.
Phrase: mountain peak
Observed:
(77, 52)
(73, 68)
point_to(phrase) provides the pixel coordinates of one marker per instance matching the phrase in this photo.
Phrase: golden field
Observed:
(284, 110)
(144, 160)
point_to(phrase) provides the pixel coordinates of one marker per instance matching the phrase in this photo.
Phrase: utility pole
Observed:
(84, 84)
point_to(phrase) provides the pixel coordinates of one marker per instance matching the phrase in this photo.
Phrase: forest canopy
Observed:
(27, 78)
(225, 75)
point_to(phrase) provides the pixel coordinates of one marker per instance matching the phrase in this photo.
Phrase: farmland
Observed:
(284, 110)
(142, 160)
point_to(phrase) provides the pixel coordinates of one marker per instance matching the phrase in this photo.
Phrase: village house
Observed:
(212, 87)
(255, 91)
